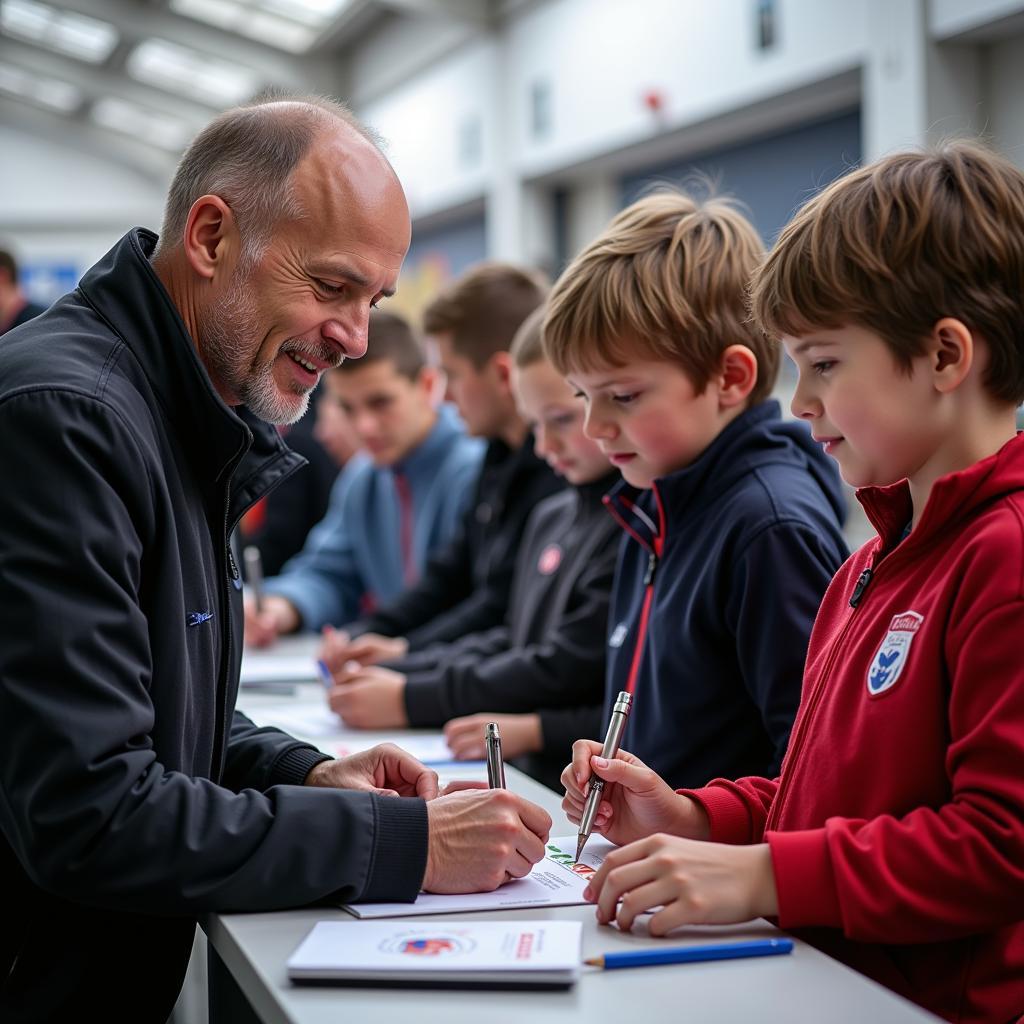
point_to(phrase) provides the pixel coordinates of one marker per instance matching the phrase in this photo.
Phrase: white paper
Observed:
(557, 881)
(469, 950)
(262, 668)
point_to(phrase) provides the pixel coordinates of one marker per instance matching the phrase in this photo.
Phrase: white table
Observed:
(805, 986)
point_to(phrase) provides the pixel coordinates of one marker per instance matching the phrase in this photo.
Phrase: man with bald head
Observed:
(136, 415)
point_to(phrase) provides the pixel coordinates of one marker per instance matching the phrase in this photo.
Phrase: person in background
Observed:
(540, 675)
(731, 516)
(398, 501)
(15, 308)
(894, 837)
(465, 587)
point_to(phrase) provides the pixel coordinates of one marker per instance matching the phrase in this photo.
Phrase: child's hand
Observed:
(520, 734)
(693, 882)
(638, 804)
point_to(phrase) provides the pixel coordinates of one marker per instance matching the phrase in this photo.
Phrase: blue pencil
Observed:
(692, 954)
(325, 674)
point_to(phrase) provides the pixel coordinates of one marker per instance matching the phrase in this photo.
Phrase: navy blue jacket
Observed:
(719, 577)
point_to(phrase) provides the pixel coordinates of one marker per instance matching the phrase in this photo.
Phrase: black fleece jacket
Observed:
(132, 796)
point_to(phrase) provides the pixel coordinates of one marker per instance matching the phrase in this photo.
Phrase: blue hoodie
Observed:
(719, 578)
(353, 558)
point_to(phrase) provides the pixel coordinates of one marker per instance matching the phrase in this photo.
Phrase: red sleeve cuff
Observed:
(804, 881)
(727, 813)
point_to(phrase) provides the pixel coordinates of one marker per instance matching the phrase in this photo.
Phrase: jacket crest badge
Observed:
(891, 657)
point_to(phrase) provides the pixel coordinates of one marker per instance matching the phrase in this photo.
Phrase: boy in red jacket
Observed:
(895, 833)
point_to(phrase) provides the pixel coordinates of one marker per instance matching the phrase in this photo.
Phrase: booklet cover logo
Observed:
(891, 657)
(420, 946)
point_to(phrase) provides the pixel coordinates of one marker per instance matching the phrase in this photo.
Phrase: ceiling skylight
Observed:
(76, 35)
(186, 71)
(291, 25)
(142, 123)
(47, 92)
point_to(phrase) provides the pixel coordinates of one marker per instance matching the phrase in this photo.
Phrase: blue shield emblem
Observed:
(891, 657)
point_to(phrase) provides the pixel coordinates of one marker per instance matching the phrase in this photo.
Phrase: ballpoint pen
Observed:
(495, 765)
(692, 954)
(254, 574)
(325, 674)
(620, 712)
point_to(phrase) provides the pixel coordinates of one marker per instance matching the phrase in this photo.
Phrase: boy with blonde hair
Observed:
(731, 516)
(896, 830)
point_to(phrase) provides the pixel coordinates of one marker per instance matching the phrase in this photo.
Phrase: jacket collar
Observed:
(642, 513)
(125, 290)
(424, 458)
(954, 498)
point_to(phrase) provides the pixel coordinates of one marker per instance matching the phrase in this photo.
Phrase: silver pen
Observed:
(620, 712)
(254, 574)
(495, 765)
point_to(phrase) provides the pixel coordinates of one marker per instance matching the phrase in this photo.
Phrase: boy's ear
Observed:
(951, 353)
(211, 237)
(736, 376)
(501, 362)
(428, 380)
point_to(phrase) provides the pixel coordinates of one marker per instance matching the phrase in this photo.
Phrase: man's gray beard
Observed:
(225, 330)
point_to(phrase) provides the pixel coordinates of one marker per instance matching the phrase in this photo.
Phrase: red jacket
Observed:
(897, 825)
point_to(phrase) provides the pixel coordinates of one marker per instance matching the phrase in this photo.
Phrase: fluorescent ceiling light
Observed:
(141, 123)
(76, 35)
(47, 92)
(291, 25)
(191, 73)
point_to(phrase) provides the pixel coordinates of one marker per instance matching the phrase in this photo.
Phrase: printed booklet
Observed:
(451, 954)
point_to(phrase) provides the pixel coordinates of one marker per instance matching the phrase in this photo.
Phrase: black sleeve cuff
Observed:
(423, 705)
(292, 767)
(399, 850)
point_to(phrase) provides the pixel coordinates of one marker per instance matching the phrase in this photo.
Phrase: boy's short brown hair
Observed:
(902, 243)
(527, 346)
(390, 337)
(666, 280)
(483, 309)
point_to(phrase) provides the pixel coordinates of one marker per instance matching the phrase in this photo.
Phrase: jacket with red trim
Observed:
(720, 574)
(897, 827)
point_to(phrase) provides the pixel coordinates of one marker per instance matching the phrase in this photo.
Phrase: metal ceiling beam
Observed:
(154, 165)
(143, 21)
(473, 12)
(96, 82)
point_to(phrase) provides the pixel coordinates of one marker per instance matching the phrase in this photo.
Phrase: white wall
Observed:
(602, 58)
(1006, 97)
(61, 204)
(421, 123)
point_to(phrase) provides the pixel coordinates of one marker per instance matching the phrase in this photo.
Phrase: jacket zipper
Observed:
(645, 613)
(795, 742)
(653, 554)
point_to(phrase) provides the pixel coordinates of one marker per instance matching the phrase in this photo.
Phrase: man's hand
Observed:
(369, 698)
(639, 803)
(481, 838)
(385, 769)
(520, 734)
(278, 616)
(369, 649)
(693, 883)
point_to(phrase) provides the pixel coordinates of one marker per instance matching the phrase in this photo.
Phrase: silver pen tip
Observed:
(580, 843)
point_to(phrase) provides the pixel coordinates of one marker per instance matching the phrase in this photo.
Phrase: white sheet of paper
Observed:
(517, 951)
(316, 723)
(554, 882)
(262, 667)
